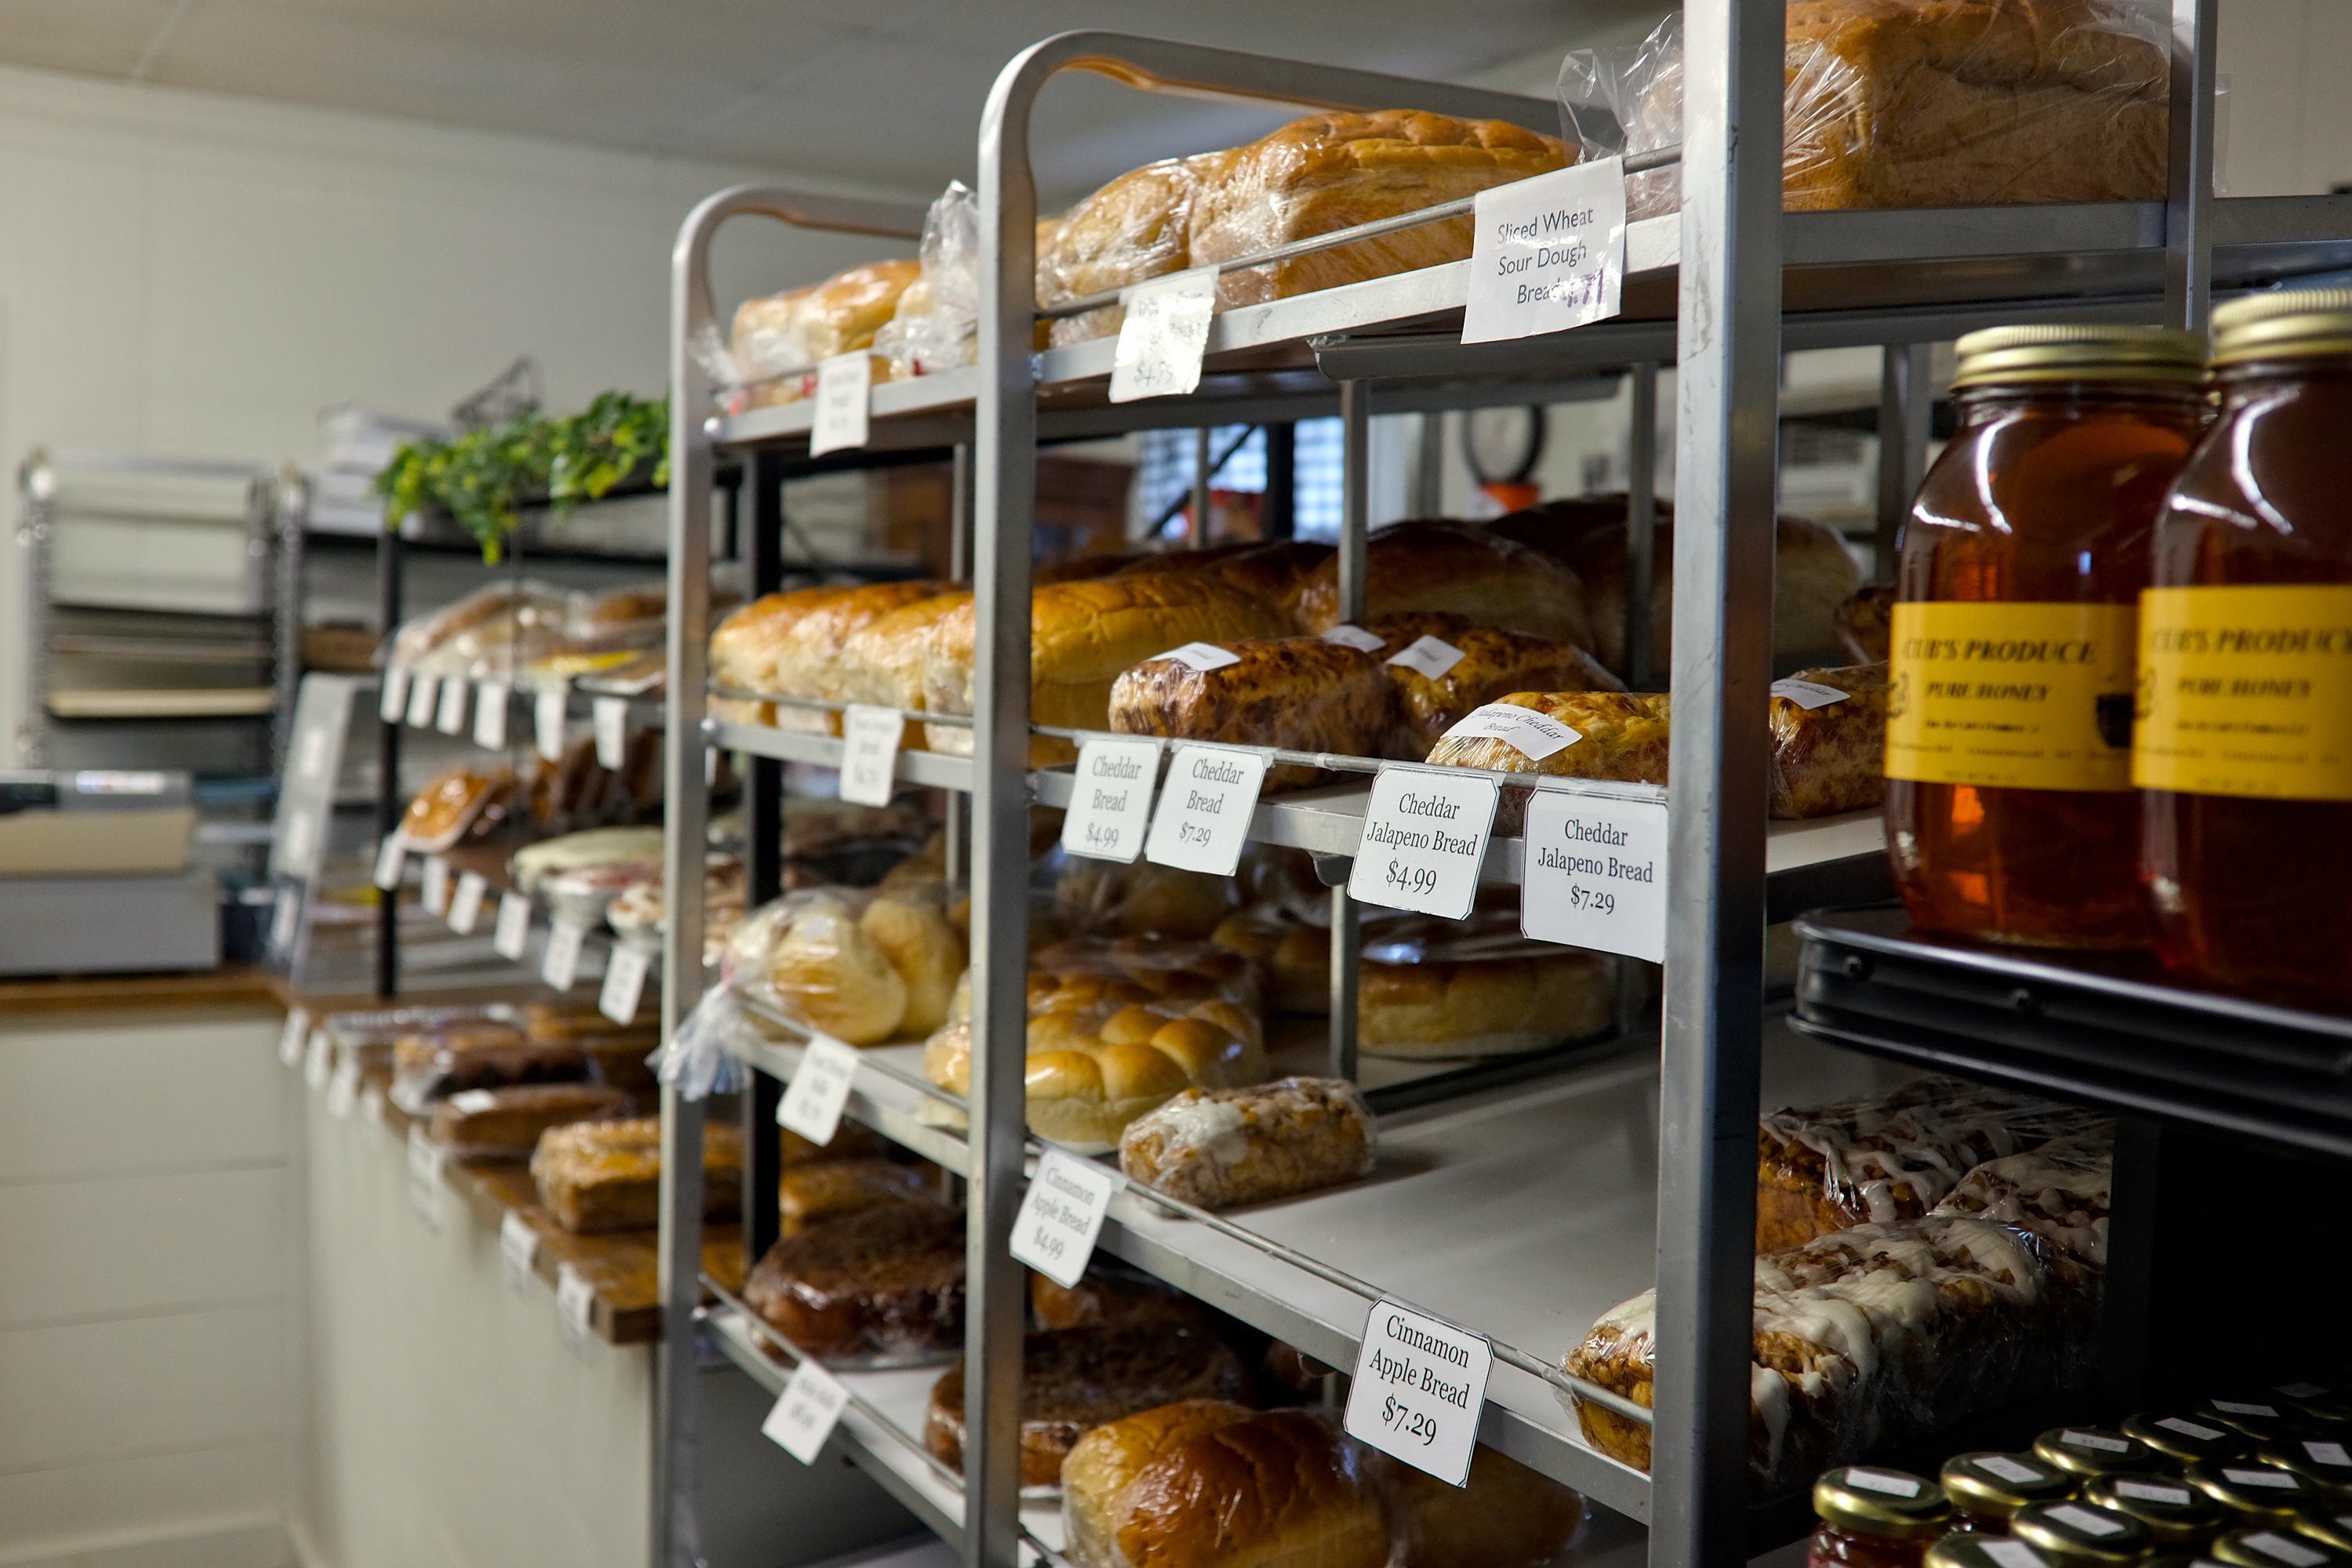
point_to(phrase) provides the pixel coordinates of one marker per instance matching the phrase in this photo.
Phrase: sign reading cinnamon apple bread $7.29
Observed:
(1419, 1387)
(2012, 696)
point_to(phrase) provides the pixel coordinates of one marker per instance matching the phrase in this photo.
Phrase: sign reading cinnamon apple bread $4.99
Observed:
(2012, 696)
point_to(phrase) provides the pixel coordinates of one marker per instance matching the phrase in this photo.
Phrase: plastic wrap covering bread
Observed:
(808, 659)
(1082, 635)
(1294, 955)
(811, 1194)
(881, 1287)
(1268, 570)
(1830, 756)
(1619, 736)
(778, 340)
(858, 966)
(1106, 898)
(1116, 1028)
(639, 913)
(598, 1176)
(505, 1123)
(1917, 103)
(1503, 1516)
(1135, 228)
(1111, 1294)
(1492, 664)
(1433, 988)
(1075, 1380)
(1457, 567)
(1300, 694)
(1864, 1337)
(458, 804)
(429, 1068)
(882, 663)
(2059, 1191)
(1866, 624)
(1205, 1484)
(1892, 1156)
(937, 324)
(1812, 576)
(1214, 1148)
(743, 648)
(423, 636)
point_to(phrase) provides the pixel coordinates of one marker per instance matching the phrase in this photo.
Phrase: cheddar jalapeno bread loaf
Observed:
(792, 331)
(1074, 1379)
(1812, 576)
(1216, 1148)
(1457, 567)
(1300, 694)
(1493, 663)
(884, 1283)
(1829, 740)
(743, 649)
(1433, 988)
(809, 661)
(595, 1176)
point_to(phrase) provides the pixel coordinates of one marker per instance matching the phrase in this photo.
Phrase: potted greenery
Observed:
(484, 477)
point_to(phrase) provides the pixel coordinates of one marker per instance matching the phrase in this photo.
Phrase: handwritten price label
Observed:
(425, 1184)
(291, 1038)
(812, 1101)
(1546, 254)
(437, 885)
(1419, 1384)
(1425, 840)
(511, 936)
(450, 719)
(1203, 816)
(547, 715)
(844, 386)
(390, 858)
(490, 702)
(575, 1311)
(1110, 800)
(869, 752)
(1062, 1217)
(806, 1412)
(465, 903)
(1164, 334)
(1595, 873)
(625, 983)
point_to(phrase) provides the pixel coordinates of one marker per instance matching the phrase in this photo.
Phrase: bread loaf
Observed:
(743, 649)
(1135, 229)
(1105, 1298)
(1268, 571)
(1294, 955)
(809, 661)
(808, 1195)
(1456, 567)
(1494, 663)
(1557, 527)
(883, 661)
(793, 331)
(913, 935)
(1503, 1516)
(1621, 736)
(1102, 1465)
(1829, 757)
(597, 1176)
(884, 1282)
(1282, 1490)
(1299, 694)
(828, 972)
(1217, 1148)
(1812, 576)
(427, 1069)
(1140, 898)
(505, 1123)
(1484, 1006)
(1866, 624)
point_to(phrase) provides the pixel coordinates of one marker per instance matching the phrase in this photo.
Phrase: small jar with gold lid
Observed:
(2087, 1451)
(1967, 1549)
(2332, 1530)
(2078, 1535)
(2324, 1462)
(2185, 1439)
(1986, 1489)
(2255, 1495)
(2178, 1517)
(1876, 1518)
(2323, 1407)
(2269, 1548)
(2010, 811)
(2265, 1420)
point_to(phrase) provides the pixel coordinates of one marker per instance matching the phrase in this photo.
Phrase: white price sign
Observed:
(290, 1038)
(1546, 254)
(869, 752)
(547, 711)
(519, 1250)
(1061, 1216)
(1425, 840)
(310, 754)
(625, 983)
(425, 1184)
(1432, 656)
(611, 716)
(511, 936)
(844, 386)
(286, 919)
(1165, 332)
(1595, 873)
(1348, 634)
(575, 1311)
(806, 1412)
(465, 903)
(1203, 816)
(490, 714)
(391, 856)
(421, 691)
(343, 1088)
(1419, 1384)
(450, 719)
(393, 704)
(437, 885)
(1110, 799)
(811, 1102)
(319, 1060)
(562, 965)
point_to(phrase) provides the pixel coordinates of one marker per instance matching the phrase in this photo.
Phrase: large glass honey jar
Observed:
(2243, 741)
(2009, 810)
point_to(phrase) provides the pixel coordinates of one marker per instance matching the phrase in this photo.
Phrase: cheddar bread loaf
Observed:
(743, 649)
(1074, 1379)
(1294, 955)
(1492, 664)
(1217, 1148)
(505, 1123)
(884, 1283)
(1300, 694)
(1457, 567)
(1619, 736)
(1103, 1464)
(1106, 898)
(595, 1176)
(1282, 1490)
(792, 331)
(810, 1193)
(809, 659)
(1812, 576)
(1828, 756)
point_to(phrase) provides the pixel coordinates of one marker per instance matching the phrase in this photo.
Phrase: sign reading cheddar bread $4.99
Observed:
(2012, 696)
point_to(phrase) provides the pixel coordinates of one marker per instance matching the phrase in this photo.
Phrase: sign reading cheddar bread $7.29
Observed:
(2012, 696)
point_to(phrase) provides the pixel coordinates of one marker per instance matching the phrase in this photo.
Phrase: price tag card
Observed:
(1432, 657)
(343, 1088)
(301, 838)
(812, 1100)
(511, 936)
(808, 1409)
(625, 983)
(291, 1038)
(285, 918)
(1203, 816)
(1110, 799)
(1546, 254)
(1162, 340)
(1354, 637)
(519, 1250)
(490, 714)
(1425, 840)
(310, 754)
(1807, 694)
(1533, 735)
(465, 903)
(575, 1311)
(562, 965)
(1419, 1384)
(392, 706)
(319, 1060)
(1201, 657)
(391, 856)
(450, 719)
(1595, 873)
(425, 1184)
(422, 691)
(1062, 1215)
(869, 752)
(371, 1104)
(437, 885)
(547, 711)
(844, 386)
(611, 715)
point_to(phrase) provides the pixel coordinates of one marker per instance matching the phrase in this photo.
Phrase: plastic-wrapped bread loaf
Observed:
(1217, 1148)
(2059, 1191)
(1494, 663)
(1456, 567)
(597, 1176)
(881, 1284)
(1812, 574)
(792, 331)
(859, 968)
(427, 1069)
(743, 649)
(883, 661)
(1281, 1490)
(1829, 753)
(1135, 229)
(1301, 694)
(1107, 898)
(809, 657)
(505, 1123)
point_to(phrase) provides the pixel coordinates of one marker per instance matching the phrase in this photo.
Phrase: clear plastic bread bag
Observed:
(938, 321)
(422, 634)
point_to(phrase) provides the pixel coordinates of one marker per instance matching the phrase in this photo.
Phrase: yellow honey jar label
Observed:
(2013, 696)
(2246, 691)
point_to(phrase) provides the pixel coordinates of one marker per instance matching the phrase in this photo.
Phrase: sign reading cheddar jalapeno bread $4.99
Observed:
(1424, 841)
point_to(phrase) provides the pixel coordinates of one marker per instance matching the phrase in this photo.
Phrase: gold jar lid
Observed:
(1997, 1484)
(1965, 1548)
(1869, 1500)
(2185, 1438)
(2262, 1417)
(2094, 1451)
(2007, 355)
(2324, 1462)
(2254, 1493)
(2328, 1529)
(2323, 1407)
(2176, 1513)
(2078, 1535)
(2281, 323)
(2265, 1548)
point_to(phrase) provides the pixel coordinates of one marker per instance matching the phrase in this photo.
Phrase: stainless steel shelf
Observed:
(934, 769)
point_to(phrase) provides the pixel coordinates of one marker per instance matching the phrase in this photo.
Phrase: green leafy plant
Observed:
(483, 478)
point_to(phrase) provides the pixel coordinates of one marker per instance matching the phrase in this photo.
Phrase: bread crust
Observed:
(882, 662)
(810, 1194)
(887, 1281)
(1486, 1006)
(1457, 567)
(1217, 1148)
(743, 648)
(1282, 1490)
(809, 661)
(597, 1176)
(1494, 664)
(506, 1122)
(1299, 694)
(1268, 571)
(1812, 574)
(1101, 1464)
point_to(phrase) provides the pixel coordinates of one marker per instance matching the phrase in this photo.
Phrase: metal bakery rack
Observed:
(1521, 1212)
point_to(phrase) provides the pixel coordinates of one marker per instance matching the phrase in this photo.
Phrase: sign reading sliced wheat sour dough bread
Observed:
(1061, 1216)
(1164, 334)
(1533, 735)
(1547, 253)
(869, 752)
(1354, 637)
(1594, 872)
(844, 386)
(1425, 840)
(1419, 1384)
(1110, 799)
(1809, 694)
(812, 1101)
(806, 1412)
(1203, 815)
(1430, 656)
